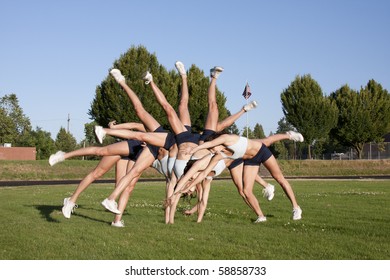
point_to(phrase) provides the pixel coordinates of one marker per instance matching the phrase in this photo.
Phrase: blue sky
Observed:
(55, 53)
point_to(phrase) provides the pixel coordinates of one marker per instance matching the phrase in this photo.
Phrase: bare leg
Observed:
(169, 192)
(249, 175)
(150, 123)
(261, 181)
(274, 138)
(213, 114)
(273, 167)
(124, 199)
(202, 205)
(184, 113)
(120, 148)
(237, 174)
(105, 164)
(144, 160)
(152, 138)
(176, 124)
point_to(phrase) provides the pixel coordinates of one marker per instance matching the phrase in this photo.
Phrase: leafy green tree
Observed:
(45, 145)
(65, 141)
(364, 115)
(308, 110)
(7, 128)
(112, 103)
(15, 123)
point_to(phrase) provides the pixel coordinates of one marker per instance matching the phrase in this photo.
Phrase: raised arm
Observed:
(199, 164)
(221, 140)
(202, 175)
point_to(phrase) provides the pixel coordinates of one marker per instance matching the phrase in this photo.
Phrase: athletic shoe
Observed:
(295, 136)
(118, 224)
(214, 72)
(147, 77)
(56, 158)
(100, 133)
(260, 219)
(68, 208)
(116, 73)
(250, 106)
(297, 213)
(180, 68)
(269, 192)
(111, 206)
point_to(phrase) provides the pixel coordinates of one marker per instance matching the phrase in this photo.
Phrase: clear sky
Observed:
(54, 53)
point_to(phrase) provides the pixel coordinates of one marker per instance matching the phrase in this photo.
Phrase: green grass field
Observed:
(342, 220)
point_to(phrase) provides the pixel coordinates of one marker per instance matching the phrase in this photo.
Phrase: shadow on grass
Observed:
(90, 218)
(47, 211)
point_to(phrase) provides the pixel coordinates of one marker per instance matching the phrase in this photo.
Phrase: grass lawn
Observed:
(342, 220)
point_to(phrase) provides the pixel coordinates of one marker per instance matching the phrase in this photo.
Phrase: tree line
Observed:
(346, 118)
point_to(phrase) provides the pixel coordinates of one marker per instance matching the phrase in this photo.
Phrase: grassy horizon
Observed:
(77, 169)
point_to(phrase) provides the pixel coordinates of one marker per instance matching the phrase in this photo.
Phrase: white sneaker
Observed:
(100, 133)
(295, 136)
(297, 213)
(118, 224)
(116, 73)
(269, 192)
(68, 208)
(260, 219)
(147, 77)
(180, 68)
(250, 106)
(111, 206)
(56, 158)
(214, 72)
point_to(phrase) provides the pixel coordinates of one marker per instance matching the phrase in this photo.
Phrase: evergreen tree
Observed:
(258, 132)
(65, 141)
(247, 132)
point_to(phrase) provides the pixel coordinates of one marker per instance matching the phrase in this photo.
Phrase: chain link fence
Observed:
(370, 151)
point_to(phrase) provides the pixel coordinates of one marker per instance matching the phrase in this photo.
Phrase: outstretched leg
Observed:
(105, 164)
(249, 175)
(150, 122)
(274, 169)
(174, 120)
(184, 113)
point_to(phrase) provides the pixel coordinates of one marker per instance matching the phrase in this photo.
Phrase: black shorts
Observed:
(206, 133)
(170, 140)
(235, 163)
(153, 150)
(135, 148)
(189, 128)
(260, 157)
(186, 137)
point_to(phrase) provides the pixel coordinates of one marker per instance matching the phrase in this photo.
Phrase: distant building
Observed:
(7, 152)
